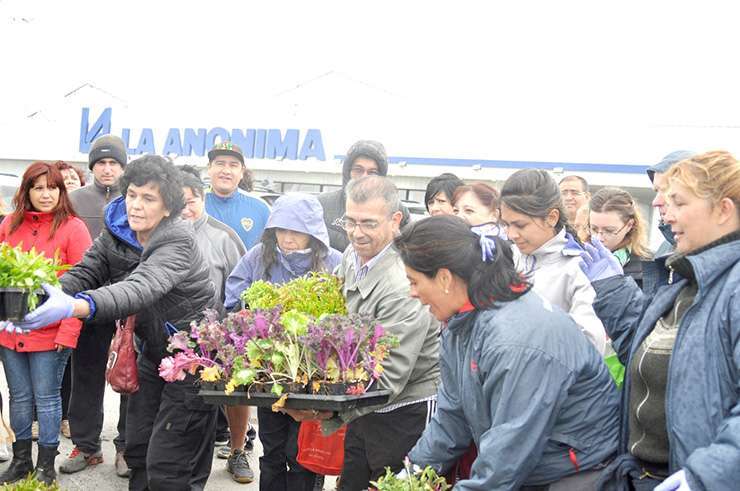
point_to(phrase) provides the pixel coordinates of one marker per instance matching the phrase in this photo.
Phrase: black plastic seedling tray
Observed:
(296, 401)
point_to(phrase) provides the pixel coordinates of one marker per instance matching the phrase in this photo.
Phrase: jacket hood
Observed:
(365, 148)
(562, 244)
(116, 220)
(300, 213)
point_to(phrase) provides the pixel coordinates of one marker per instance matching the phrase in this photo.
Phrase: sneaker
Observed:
(77, 461)
(223, 452)
(5, 454)
(35, 430)
(64, 429)
(238, 467)
(221, 440)
(122, 469)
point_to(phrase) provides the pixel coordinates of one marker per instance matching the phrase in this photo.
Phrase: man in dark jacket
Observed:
(655, 273)
(364, 158)
(107, 160)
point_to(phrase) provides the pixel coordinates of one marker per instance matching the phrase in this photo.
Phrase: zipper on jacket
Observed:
(107, 193)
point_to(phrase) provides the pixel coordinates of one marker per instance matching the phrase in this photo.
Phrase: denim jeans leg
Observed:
(18, 375)
(47, 371)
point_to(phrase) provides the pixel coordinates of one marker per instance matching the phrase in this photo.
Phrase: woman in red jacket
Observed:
(43, 219)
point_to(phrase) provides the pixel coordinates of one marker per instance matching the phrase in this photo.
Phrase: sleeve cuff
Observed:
(90, 302)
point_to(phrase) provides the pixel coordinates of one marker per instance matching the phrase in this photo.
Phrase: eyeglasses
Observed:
(607, 232)
(349, 225)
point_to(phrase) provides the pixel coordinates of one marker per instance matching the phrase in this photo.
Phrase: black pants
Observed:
(169, 439)
(379, 440)
(279, 470)
(86, 408)
(66, 388)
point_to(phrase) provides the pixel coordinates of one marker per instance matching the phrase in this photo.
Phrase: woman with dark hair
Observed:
(295, 242)
(146, 264)
(438, 196)
(615, 220)
(680, 346)
(74, 178)
(518, 378)
(547, 247)
(34, 363)
(477, 203)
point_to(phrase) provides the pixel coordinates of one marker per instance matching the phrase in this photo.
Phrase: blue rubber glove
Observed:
(12, 329)
(598, 262)
(675, 482)
(58, 306)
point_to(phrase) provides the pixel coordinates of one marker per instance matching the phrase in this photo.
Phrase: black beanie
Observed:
(365, 148)
(107, 147)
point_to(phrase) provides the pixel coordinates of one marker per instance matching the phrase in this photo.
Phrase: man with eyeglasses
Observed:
(375, 283)
(364, 158)
(245, 214)
(574, 191)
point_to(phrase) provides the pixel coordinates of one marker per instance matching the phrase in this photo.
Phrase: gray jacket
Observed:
(90, 201)
(557, 276)
(221, 247)
(411, 371)
(522, 383)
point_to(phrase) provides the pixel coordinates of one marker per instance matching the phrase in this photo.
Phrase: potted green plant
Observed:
(413, 479)
(21, 276)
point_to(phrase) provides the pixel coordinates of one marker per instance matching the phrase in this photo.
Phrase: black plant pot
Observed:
(332, 389)
(295, 388)
(14, 303)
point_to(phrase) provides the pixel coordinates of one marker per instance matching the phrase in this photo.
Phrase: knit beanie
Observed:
(107, 147)
(365, 148)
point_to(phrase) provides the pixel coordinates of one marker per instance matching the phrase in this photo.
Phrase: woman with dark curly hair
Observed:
(146, 263)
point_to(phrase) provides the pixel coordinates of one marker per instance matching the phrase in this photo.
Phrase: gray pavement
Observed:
(103, 476)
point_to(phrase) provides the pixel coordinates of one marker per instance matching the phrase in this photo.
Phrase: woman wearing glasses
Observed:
(616, 221)
(295, 242)
(548, 249)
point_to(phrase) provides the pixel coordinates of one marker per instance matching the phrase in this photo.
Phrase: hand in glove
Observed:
(58, 306)
(675, 482)
(598, 262)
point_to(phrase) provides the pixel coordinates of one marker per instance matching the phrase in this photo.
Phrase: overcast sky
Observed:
(623, 79)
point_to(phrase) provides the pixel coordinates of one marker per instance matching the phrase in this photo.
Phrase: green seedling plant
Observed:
(28, 270)
(415, 479)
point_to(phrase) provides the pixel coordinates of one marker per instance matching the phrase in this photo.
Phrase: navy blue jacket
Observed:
(525, 385)
(703, 393)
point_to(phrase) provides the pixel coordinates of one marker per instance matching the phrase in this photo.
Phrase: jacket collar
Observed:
(103, 189)
(39, 217)
(705, 264)
(367, 284)
(561, 245)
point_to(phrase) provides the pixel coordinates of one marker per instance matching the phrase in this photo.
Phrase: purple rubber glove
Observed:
(675, 482)
(598, 262)
(58, 306)
(12, 329)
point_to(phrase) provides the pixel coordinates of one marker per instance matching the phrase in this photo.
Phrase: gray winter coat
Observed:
(522, 383)
(556, 275)
(703, 393)
(221, 247)
(166, 281)
(90, 201)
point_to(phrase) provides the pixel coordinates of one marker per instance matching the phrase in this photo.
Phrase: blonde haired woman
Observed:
(615, 220)
(681, 347)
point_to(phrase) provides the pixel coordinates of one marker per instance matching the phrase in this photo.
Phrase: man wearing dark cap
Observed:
(655, 273)
(245, 214)
(364, 158)
(107, 159)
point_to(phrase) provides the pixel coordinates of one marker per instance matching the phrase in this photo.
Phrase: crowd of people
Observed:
(505, 302)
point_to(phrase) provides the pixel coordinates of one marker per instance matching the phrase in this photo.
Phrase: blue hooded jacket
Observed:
(297, 212)
(703, 390)
(523, 384)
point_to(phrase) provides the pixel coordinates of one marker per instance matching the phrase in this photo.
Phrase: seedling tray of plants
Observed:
(214, 394)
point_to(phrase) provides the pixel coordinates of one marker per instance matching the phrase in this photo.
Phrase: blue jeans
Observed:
(35, 376)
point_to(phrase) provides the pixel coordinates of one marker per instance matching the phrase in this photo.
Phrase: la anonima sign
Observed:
(255, 143)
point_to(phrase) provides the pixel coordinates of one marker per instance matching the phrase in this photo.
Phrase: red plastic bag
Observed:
(318, 453)
(121, 372)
